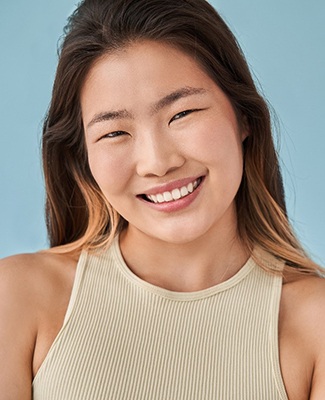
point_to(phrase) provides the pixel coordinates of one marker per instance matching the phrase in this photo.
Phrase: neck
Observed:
(184, 267)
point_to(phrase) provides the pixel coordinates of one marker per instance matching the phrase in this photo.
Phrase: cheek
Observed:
(219, 144)
(109, 170)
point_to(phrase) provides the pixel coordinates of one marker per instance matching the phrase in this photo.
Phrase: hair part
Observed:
(77, 213)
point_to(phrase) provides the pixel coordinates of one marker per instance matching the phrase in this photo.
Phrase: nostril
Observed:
(158, 162)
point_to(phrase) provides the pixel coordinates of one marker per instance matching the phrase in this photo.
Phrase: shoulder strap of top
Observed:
(76, 284)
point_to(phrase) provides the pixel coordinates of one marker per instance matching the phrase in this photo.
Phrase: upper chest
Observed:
(119, 333)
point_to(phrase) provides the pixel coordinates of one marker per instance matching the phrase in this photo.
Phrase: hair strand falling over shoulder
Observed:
(78, 216)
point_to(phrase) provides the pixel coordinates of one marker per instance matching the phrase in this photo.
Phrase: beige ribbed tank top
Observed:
(124, 338)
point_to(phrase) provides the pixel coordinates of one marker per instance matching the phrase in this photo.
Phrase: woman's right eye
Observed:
(113, 135)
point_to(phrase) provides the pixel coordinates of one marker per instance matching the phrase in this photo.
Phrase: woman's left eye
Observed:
(181, 115)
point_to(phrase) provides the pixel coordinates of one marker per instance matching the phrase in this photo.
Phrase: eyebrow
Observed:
(176, 95)
(109, 115)
(162, 103)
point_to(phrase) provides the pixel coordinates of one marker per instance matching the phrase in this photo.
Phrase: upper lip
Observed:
(168, 187)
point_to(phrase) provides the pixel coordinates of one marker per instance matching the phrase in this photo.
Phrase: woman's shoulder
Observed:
(34, 293)
(306, 294)
(303, 302)
(34, 273)
(35, 284)
(302, 330)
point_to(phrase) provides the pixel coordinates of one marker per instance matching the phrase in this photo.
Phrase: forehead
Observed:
(146, 67)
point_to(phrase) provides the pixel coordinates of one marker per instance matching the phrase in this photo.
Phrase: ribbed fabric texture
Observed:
(124, 338)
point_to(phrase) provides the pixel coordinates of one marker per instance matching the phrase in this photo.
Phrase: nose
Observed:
(157, 155)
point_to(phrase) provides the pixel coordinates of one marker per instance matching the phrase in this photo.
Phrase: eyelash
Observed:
(182, 114)
(113, 135)
(177, 116)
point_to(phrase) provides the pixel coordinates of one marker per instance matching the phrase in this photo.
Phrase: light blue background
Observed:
(284, 41)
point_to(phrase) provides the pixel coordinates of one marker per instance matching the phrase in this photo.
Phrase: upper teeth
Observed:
(174, 194)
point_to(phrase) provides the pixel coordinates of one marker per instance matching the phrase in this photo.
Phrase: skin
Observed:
(153, 143)
(157, 145)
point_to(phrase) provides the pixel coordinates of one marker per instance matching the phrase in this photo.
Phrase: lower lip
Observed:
(176, 205)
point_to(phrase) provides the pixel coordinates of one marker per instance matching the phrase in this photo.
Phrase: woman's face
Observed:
(163, 141)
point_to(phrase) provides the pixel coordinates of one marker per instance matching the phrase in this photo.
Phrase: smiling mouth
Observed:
(176, 194)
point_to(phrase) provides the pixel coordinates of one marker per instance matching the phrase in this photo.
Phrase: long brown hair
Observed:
(78, 215)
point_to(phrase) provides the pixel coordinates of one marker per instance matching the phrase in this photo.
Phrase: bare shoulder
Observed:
(31, 277)
(302, 334)
(32, 287)
(305, 299)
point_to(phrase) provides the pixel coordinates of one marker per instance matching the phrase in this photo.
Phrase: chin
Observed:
(178, 236)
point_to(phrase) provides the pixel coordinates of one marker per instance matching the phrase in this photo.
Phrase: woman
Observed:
(173, 271)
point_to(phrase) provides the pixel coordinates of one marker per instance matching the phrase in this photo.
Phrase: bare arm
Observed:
(317, 338)
(17, 330)
(34, 293)
(302, 338)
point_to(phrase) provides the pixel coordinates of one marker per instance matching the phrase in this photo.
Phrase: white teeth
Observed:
(153, 198)
(168, 196)
(174, 194)
(184, 191)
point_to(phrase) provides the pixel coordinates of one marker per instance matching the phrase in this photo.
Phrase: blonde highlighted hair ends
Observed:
(78, 215)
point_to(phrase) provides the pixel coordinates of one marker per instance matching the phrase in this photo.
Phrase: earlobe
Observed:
(244, 135)
(245, 132)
